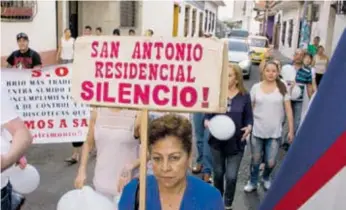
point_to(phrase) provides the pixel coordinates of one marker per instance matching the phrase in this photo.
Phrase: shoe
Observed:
(266, 184)
(197, 169)
(250, 187)
(71, 160)
(228, 208)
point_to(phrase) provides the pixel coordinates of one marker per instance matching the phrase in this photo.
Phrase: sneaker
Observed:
(266, 184)
(250, 187)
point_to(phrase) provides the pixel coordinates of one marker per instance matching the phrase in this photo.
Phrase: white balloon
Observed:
(25, 180)
(71, 200)
(86, 199)
(288, 73)
(222, 127)
(296, 92)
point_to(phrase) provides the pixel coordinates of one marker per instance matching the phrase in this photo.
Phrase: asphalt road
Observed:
(57, 178)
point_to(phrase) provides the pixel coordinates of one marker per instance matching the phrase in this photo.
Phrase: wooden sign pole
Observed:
(143, 159)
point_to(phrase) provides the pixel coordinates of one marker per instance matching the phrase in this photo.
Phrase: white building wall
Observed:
(43, 25)
(158, 16)
(339, 28)
(287, 15)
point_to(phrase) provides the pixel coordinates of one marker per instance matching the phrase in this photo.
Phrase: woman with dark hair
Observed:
(270, 102)
(170, 148)
(116, 32)
(66, 48)
(227, 155)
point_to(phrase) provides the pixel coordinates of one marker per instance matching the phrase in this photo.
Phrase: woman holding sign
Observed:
(112, 132)
(227, 154)
(170, 148)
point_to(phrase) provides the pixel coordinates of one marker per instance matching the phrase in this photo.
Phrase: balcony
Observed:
(18, 11)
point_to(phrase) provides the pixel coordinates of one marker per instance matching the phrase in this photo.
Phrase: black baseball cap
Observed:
(22, 36)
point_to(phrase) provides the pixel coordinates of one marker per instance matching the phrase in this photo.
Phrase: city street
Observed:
(57, 178)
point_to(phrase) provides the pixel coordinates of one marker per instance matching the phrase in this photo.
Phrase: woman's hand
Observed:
(206, 123)
(247, 131)
(290, 137)
(125, 177)
(22, 163)
(80, 180)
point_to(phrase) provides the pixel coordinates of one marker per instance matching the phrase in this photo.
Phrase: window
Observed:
(194, 23)
(209, 22)
(290, 33)
(283, 33)
(237, 46)
(128, 11)
(200, 28)
(18, 11)
(213, 22)
(187, 21)
(206, 21)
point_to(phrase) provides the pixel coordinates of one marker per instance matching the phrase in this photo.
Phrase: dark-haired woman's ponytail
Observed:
(281, 86)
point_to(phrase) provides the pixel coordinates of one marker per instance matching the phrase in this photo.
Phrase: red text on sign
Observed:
(137, 94)
(51, 123)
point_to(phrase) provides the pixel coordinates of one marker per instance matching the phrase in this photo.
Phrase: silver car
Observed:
(239, 53)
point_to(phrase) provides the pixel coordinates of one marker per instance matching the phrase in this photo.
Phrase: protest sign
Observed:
(150, 73)
(42, 98)
(170, 74)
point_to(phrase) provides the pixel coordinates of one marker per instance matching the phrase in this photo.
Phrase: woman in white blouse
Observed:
(66, 48)
(320, 64)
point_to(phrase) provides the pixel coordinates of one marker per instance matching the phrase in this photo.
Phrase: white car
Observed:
(239, 53)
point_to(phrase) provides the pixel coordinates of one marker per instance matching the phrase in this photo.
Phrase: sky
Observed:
(226, 12)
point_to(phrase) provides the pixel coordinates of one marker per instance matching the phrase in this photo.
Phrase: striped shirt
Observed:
(303, 78)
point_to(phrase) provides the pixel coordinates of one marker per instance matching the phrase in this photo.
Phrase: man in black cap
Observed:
(24, 58)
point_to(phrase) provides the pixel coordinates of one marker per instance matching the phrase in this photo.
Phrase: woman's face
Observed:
(232, 81)
(270, 73)
(68, 33)
(320, 50)
(170, 161)
(307, 61)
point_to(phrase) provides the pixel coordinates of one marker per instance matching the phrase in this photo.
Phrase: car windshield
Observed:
(255, 42)
(239, 33)
(237, 46)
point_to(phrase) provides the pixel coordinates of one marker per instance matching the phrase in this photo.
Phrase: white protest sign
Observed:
(42, 98)
(151, 73)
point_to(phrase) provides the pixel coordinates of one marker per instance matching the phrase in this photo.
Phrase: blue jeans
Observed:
(297, 107)
(203, 148)
(226, 166)
(10, 200)
(267, 147)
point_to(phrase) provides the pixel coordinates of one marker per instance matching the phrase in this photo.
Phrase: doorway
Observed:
(73, 18)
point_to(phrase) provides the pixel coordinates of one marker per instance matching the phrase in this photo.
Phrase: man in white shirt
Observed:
(11, 149)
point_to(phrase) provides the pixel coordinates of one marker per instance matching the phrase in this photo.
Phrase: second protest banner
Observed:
(173, 74)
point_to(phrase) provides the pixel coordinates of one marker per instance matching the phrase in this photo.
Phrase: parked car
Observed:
(259, 45)
(239, 53)
(238, 33)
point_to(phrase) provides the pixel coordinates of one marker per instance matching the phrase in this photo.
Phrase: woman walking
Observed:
(320, 64)
(112, 132)
(227, 155)
(270, 102)
(66, 48)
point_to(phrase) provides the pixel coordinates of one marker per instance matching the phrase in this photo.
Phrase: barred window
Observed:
(187, 21)
(194, 19)
(18, 11)
(128, 11)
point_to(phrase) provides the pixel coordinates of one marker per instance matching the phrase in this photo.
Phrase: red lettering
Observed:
(109, 67)
(156, 93)
(98, 91)
(104, 50)
(61, 71)
(87, 93)
(118, 67)
(147, 50)
(190, 78)
(197, 52)
(180, 51)
(189, 46)
(180, 75)
(158, 46)
(137, 51)
(169, 53)
(188, 96)
(106, 97)
(98, 69)
(142, 71)
(124, 92)
(94, 46)
(63, 123)
(115, 49)
(79, 123)
(40, 124)
(141, 94)
(36, 73)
